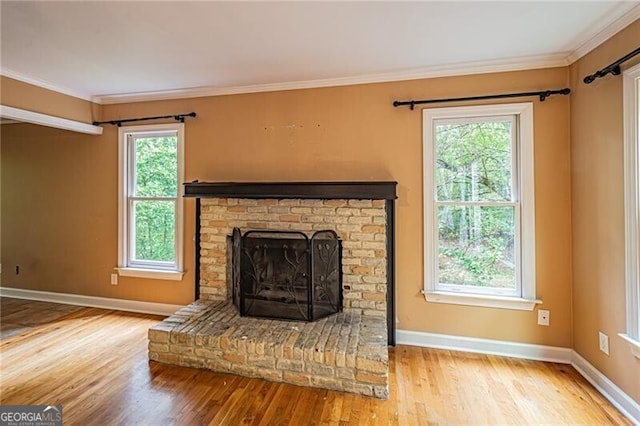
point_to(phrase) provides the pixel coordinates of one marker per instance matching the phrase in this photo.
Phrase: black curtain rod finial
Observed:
(545, 95)
(613, 68)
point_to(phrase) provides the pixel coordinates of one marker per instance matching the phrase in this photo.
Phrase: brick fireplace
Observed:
(346, 351)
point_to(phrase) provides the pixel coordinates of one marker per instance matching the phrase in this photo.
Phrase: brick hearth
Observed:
(346, 351)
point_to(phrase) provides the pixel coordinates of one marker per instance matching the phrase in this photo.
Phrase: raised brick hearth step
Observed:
(345, 352)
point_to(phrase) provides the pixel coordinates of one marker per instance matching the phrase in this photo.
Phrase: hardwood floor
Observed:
(18, 315)
(94, 363)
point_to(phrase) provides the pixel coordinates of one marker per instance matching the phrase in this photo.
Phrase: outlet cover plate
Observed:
(543, 317)
(114, 279)
(604, 342)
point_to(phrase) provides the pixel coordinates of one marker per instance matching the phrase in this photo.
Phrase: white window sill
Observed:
(481, 300)
(633, 344)
(154, 274)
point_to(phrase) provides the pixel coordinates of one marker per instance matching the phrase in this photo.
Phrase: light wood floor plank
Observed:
(94, 363)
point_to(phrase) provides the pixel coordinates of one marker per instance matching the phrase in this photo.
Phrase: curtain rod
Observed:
(612, 68)
(178, 117)
(542, 94)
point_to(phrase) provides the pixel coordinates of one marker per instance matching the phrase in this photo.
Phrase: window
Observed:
(631, 89)
(479, 206)
(150, 205)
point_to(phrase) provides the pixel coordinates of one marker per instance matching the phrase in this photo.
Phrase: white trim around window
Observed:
(524, 296)
(127, 264)
(631, 93)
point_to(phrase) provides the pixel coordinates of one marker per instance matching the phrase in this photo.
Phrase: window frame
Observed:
(127, 266)
(522, 197)
(631, 108)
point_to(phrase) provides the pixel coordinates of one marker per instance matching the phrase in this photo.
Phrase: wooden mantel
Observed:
(355, 190)
(306, 190)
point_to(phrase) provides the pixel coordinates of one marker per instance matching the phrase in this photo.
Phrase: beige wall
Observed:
(59, 200)
(21, 95)
(598, 212)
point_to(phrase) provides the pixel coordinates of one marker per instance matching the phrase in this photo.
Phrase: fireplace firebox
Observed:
(286, 274)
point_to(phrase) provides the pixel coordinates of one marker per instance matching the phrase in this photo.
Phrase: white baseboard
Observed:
(607, 388)
(485, 346)
(91, 301)
(617, 397)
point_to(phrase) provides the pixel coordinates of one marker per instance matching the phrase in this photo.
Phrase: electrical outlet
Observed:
(604, 342)
(543, 317)
(17, 270)
(114, 279)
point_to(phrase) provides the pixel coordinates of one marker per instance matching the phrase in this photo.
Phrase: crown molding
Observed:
(484, 67)
(617, 20)
(43, 84)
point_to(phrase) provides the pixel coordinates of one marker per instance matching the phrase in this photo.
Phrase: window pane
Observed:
(154, 227)
(476, 246)
(474, 161)
(156, 167)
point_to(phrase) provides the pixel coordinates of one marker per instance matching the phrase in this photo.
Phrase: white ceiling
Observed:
(93, 49)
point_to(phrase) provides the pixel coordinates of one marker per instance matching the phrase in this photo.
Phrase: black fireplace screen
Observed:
(287, 275)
